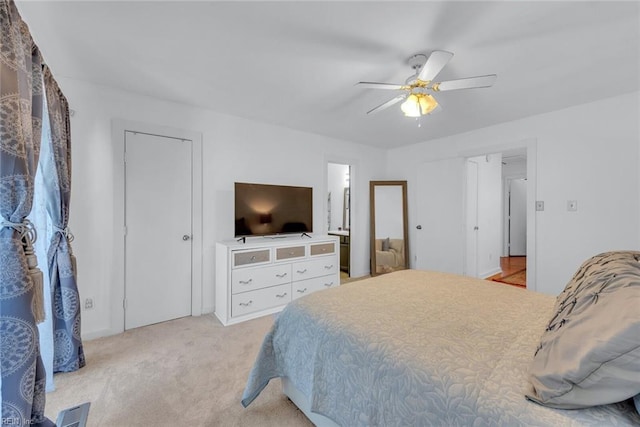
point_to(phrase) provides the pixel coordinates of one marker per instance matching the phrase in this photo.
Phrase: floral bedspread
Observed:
(417, 348)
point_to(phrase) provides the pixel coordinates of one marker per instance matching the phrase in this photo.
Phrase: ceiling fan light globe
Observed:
(427, 103)
(411, 107)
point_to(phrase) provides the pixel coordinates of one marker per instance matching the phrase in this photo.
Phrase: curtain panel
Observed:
(21, 371)
(56, 166)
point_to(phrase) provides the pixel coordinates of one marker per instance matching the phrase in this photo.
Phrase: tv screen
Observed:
(263, 209)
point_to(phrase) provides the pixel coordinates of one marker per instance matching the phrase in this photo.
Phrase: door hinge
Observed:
(124, 303)
(124, 230)
(124, 157)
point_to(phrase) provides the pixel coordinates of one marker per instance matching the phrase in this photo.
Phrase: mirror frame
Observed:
(405, 220)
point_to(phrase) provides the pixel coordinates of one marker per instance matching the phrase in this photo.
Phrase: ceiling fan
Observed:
(416, 91)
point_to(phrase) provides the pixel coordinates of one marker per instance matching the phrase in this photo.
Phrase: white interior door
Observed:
(472, 219)
(440, 243)
(158, 229)
(518, 217)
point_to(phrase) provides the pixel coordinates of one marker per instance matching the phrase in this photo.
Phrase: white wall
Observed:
(588, 153)
(515, 169)
(234, 149)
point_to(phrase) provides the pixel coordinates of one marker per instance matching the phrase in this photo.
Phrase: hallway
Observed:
(514, 271)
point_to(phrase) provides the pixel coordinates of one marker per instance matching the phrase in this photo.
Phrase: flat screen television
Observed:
(264, 209)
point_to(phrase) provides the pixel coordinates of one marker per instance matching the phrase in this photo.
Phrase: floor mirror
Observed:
(389, 226)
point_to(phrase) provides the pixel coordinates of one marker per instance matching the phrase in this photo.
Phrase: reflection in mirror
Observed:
(389, 228)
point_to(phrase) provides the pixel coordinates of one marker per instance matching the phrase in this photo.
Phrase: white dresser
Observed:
(261, 276)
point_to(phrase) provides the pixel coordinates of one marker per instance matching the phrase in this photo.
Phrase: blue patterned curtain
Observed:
(22, 376)
(68, 354)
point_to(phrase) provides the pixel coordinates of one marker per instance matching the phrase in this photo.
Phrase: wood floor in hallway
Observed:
(512, 266)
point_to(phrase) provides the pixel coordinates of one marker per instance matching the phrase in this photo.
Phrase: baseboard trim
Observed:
(490, 273)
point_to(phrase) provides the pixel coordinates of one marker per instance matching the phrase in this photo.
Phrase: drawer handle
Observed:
(280, 276)
(301, 271)
(324, 249)
(292, 253)
(281, 295)
(328, 285)
(328, 267)
(245, 282)
(302, 291)
(253, 258)
(246, 304)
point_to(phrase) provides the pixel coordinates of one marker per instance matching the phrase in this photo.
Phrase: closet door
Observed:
(158, 250)
(440, 242)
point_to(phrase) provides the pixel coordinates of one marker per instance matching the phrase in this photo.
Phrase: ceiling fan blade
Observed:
(468, 83)
(374, 85)
(435, 63)
(387, 104)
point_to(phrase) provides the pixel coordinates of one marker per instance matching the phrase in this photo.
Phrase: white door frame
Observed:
(344, 207)
(531, 145)
(118, 128)
(355, 227)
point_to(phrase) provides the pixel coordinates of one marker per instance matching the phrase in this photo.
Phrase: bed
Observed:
(389, 255)
(415, 348)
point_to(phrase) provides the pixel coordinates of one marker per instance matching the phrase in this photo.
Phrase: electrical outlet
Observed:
(539, 205)
(88, 303)
(572, 205)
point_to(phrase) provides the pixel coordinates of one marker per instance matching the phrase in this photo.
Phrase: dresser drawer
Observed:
(322, 249)
(291, 252)
(306, 287)
(314, 268)
(251, 257)
(248, 279)
(260, 299)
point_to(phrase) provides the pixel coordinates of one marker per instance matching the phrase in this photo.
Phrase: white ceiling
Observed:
(294, 64)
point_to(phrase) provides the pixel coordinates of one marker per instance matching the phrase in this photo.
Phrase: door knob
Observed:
(419, 227)
(186, 237)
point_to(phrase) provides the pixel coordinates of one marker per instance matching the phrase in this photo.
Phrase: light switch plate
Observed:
(572, 205)
(539, 205)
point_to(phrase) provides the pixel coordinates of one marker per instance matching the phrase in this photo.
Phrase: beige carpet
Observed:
(187, 372)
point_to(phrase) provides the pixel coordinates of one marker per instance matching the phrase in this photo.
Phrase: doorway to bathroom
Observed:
(339, 212)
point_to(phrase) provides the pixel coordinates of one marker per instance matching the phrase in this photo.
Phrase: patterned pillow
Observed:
(589, 353)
